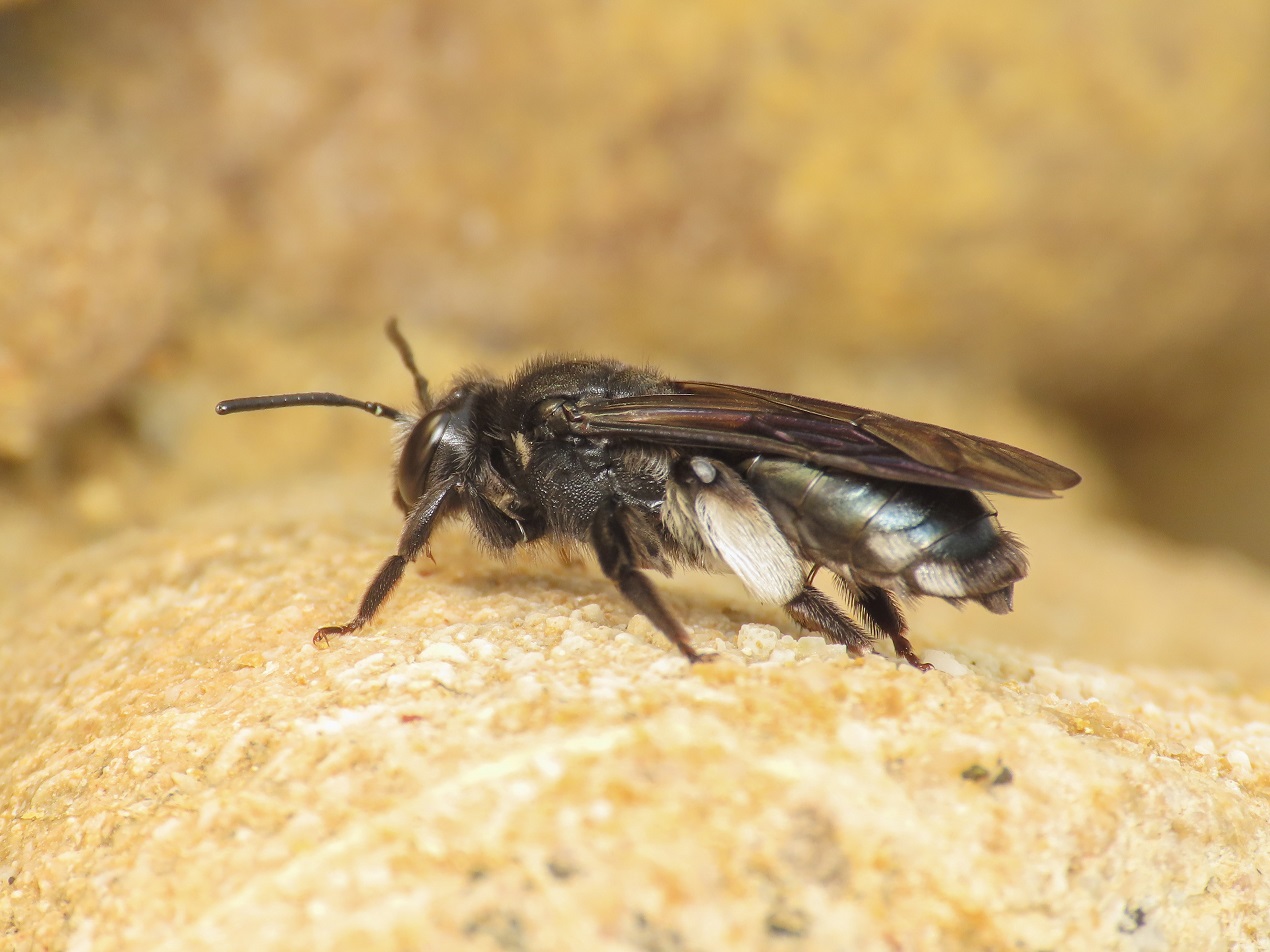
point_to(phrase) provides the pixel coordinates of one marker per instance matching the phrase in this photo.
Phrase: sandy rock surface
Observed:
(510, 759)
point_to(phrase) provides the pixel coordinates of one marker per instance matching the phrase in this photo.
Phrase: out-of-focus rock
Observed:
(1198, 462)
(103, 213)
(508, 753)
(1074, 192)
(87, 267)
(1073, 198)
(1070, 197)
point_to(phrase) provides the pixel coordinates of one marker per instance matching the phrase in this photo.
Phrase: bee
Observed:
(652, 474)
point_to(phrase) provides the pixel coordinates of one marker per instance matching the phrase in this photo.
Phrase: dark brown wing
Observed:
(828, 435)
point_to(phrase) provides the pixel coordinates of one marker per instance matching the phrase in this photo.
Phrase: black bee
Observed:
(651, 473)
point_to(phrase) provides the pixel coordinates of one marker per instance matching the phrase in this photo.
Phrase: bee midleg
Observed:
(414, 536)
(814, 610)
(882, 610)
(612, 544)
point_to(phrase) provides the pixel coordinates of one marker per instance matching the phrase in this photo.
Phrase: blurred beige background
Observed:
(1069, 203)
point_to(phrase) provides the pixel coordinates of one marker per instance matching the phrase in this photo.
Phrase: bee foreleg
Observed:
(613, 549)
(414, 537)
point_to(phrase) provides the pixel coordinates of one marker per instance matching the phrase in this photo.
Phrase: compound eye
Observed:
(417, 454)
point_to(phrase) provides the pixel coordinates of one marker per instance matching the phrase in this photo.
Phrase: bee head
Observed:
(435, 445)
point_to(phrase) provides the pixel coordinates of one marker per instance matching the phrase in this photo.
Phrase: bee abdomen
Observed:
(908, 538)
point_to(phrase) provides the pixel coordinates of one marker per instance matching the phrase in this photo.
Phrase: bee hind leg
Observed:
(815, 611)
(882, 611)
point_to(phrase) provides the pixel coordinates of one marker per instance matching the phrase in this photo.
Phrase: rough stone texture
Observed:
(510, 760)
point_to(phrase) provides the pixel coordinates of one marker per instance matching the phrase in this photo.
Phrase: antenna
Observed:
(243, 404)
(270, 402)
(408, 358)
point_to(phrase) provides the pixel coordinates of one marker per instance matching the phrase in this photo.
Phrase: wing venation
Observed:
(829, 435)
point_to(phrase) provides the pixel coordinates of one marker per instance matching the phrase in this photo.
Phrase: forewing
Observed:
(829, 435)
